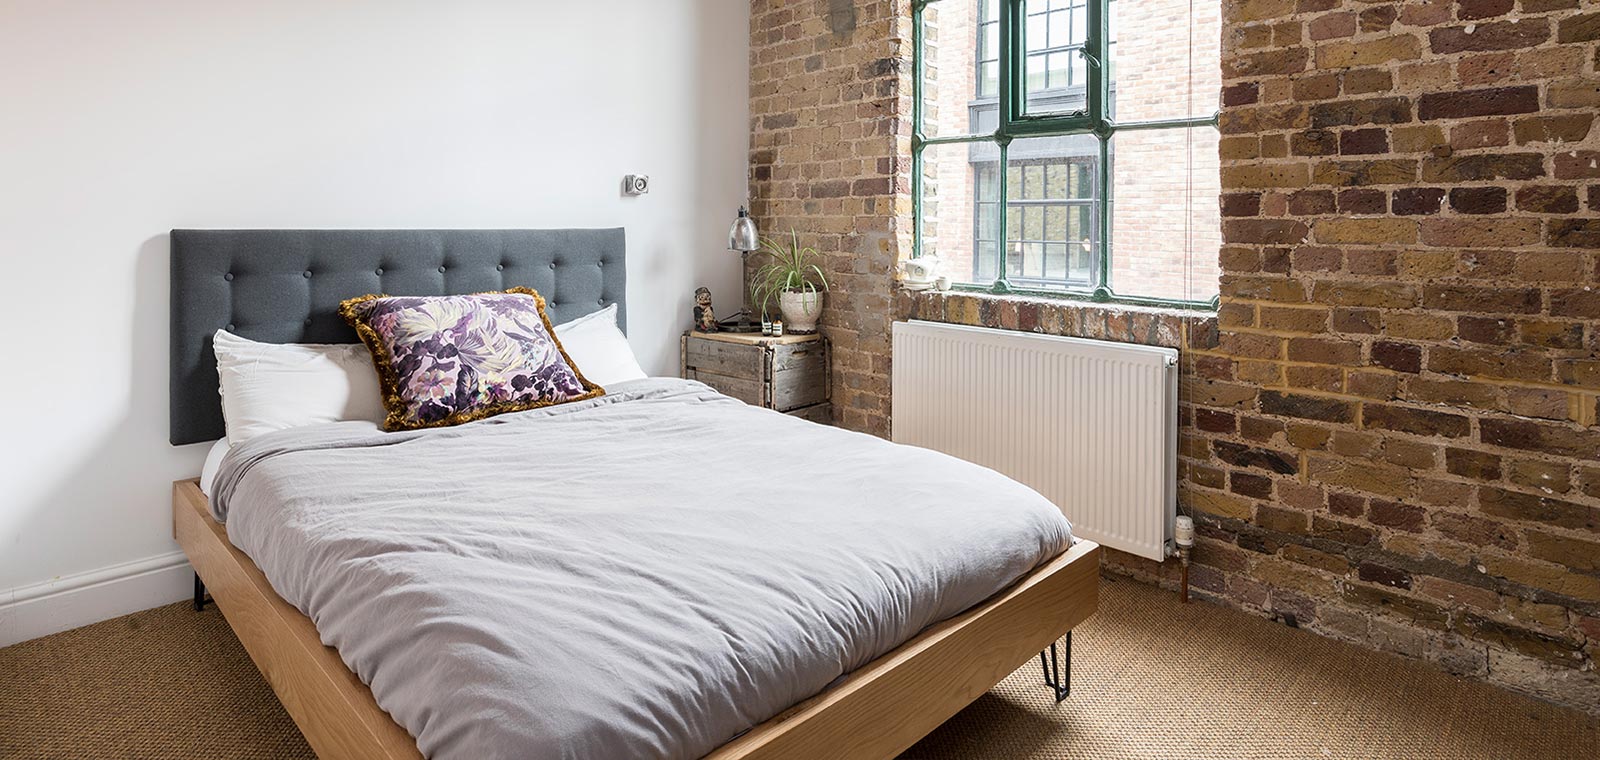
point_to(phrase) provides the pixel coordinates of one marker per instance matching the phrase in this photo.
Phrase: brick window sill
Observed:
(1124, 323)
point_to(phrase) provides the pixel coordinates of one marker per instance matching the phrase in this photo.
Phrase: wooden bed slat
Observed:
(875, 712)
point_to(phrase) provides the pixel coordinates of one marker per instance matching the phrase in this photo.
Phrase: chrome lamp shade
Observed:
(743, 235)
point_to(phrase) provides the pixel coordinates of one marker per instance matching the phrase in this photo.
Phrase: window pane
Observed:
(1055, 261)
(1051, 212)
(1053, 36)
(1055, 185)
(961, 59)
(960, 209)
(1081, 228)
(1170, 64)
(1032, 221)
(988, 221)
(1037, 26)
(988, 179)
(1033, 182)
(1055, 222)
(987, 267)
(1032, 264)
(1166, 228)
(1038, 74)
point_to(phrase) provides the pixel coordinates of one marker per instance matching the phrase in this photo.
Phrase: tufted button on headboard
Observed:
(285, 286)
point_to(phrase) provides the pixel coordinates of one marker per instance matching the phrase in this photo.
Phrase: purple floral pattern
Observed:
(445, 360)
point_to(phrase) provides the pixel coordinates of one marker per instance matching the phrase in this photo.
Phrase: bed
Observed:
(812, 681)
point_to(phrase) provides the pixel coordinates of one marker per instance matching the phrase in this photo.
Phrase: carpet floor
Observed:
(1151, 679)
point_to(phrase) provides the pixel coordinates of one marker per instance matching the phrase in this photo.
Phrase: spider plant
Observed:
(791, 269)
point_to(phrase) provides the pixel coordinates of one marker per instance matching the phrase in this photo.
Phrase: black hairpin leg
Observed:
(199, 594)
(1058, 671)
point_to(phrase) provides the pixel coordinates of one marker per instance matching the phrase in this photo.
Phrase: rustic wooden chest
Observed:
(787, 374)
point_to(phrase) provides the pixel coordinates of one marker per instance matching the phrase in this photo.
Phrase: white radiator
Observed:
(1091, 425)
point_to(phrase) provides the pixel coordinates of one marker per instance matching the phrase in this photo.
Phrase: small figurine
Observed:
(705, 320)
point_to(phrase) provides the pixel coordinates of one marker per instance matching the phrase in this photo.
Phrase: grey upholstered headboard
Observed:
(284, 286)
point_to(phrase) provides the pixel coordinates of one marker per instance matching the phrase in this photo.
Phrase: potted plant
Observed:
(794, 280)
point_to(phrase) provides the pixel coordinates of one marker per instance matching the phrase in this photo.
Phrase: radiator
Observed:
(1089, 424)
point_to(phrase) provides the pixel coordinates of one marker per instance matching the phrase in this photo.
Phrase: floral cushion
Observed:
(445, 360)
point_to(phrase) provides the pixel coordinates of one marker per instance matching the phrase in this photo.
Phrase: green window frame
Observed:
(1020, 119)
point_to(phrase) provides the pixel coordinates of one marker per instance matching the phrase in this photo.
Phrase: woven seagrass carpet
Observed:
(1151, 679)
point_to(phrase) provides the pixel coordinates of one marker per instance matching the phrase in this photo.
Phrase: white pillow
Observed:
(598, 348)
(271, 386)
(208, 472)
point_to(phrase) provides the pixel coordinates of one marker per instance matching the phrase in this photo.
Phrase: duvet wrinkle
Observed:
(574, 582)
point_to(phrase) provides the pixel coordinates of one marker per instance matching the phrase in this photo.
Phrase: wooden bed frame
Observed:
(876, 712)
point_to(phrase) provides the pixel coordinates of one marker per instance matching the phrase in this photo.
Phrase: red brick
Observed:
(1418, 200)
(1514, 505)
(1265, 230)
(1478, 200)
(1475, 168)
(1574, 233)
(1473, 233)
(1401, 357)
(1391, 514)
(1331, 26)
(1470, 103)
(1241, 204)
(1378, 18)
(1471, 10)
(1363, 141)
(1483, 299)
(1358, 112)
(1307, 407)
(1477, 465)
(1577, 164)
(1215, 420)
(1547, 199)
(1497, 35)
(1314, 142)
(1559, 128)
(1546, 437)
(1487, 330)
(1242, 94)
(1415, 421)
(1363, 201)
(1581, 28)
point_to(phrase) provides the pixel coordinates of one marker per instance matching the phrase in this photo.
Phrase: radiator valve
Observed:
(1183, 536)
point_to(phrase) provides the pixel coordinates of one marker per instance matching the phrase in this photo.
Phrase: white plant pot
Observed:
(800, 310)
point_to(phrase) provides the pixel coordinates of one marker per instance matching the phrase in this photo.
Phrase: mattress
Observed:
(645, 575)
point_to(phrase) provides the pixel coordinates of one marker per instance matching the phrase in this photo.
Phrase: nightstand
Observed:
(788, 374)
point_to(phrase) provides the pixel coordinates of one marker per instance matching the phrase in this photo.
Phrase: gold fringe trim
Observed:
(389, 380)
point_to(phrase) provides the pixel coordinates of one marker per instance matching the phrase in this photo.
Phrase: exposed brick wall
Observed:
(830, 148)
(1394, 438)
(1390, 425)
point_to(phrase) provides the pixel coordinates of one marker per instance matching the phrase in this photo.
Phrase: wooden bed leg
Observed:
(199, 594)
(1058, 671)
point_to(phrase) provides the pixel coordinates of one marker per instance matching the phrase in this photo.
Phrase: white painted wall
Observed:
(122, 120)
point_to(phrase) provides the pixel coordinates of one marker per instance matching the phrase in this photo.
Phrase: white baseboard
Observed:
(71, 601)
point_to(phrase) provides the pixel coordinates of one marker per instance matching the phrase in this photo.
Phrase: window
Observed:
(1054, 157)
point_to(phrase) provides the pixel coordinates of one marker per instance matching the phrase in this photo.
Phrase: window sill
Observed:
(1124, 323)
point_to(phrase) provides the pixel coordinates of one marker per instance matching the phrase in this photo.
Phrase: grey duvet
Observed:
(644, 575)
